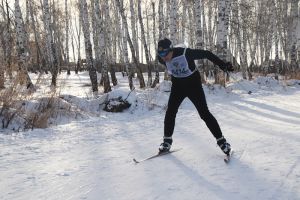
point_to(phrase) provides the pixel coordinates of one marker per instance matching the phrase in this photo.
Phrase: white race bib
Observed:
(178, 67)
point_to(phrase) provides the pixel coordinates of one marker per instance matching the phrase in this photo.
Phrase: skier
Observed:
(186, 82)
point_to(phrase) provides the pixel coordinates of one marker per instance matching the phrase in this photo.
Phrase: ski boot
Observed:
(225, 146)
(166, 145)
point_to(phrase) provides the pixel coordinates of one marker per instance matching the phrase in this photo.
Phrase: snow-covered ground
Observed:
(91, 158)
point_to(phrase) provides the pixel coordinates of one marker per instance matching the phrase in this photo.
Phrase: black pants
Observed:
(190, 87)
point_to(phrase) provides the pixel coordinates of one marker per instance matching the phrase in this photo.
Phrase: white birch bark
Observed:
(133, 30)
(113, 50)
(292, 37)
(22, 51)
(183, 22)
(167, 18)
(222, 29)
(192, 31)
(129, 70)
(67, 38)
(161, 26)
(88, 46)
(102, 50)
(149, 82)
(156, 80)
(50, 48)
(2, 77)
(125, 25)
(210, 27)
(37, 38)
(7, 46)
(173, 21)
(96, 33)
(199, 33)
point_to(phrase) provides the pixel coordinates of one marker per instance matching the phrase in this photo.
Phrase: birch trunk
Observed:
(161, 26)
(183, 22)
(88, 46)
(67, 38)
(2, 77)
(133, 30)
(173, 21)
(292, 37)
(102, 44)
(149, 82)
(222, 29)
(199, 36)
(37, 39)
(109, 42)
(129, 70)
(21, 46)
(7, 42)
(222, 33)
(135, 61)
(162, 30)
(156, 80)
(50, 48)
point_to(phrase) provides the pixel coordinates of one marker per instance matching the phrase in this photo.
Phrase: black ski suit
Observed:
(186, 82)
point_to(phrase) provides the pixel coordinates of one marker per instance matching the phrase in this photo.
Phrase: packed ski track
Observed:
(92, 158)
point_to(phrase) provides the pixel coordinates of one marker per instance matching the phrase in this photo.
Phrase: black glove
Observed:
(227, 67)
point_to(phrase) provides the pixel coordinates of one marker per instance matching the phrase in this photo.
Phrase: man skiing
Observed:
(186, 82)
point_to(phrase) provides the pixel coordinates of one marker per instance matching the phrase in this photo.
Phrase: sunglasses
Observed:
(163, 53)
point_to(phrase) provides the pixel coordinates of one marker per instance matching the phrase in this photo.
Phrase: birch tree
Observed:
(21, 45)
(102, 38)
(67, 58)
(133, 30)
(149, 82)
(112, 41)
(173, 21)
(8, 42)
(199, 35)
(135, 61)
(161, 26)
(128, 67)
(222, 29)
(37, 38)
(88, 46)
(50, 46)
(292, 34)
(156, 80)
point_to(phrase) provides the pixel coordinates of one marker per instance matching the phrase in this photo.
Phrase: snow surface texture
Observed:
(91, 158)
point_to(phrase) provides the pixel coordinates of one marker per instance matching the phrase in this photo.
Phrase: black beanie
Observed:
(164, 44)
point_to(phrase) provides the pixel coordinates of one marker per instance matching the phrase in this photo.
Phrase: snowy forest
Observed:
(50, 36)
(84, 101)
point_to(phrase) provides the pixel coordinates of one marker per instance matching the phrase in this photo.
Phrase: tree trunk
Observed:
(156, 80)
(51, 51)
(21, 46)
(149, 82)
(102, 50)
(67, 38)
(173, 21)
(133, 30)
(125, 25)
(292, 34)
(88, 46)
(222, 32)
(199, 37)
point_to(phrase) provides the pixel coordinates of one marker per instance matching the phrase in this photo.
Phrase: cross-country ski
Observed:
(155, 156)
